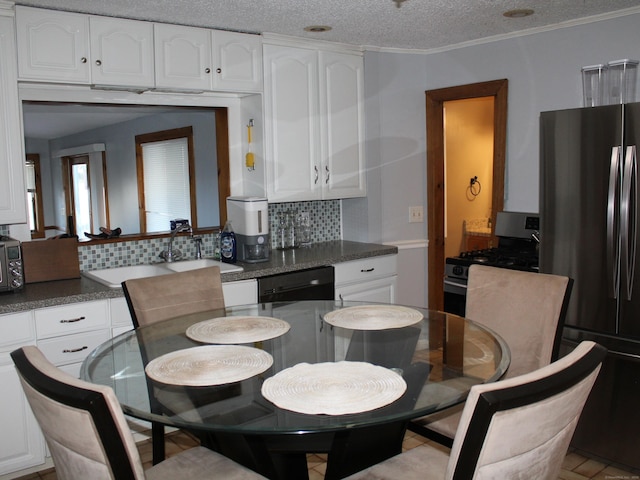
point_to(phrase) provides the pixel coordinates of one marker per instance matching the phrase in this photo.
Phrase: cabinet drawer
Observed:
(72, 348)
(78, 317)
(365, 269)
(16, 329)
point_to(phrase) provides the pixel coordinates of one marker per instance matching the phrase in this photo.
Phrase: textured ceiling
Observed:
(415, 24)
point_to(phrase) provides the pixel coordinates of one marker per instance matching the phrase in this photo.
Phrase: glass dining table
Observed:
(265, 384)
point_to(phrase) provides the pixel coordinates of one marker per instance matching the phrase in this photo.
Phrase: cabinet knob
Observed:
(83, 60)
(98, 62)
(207, 70)
(218, 70)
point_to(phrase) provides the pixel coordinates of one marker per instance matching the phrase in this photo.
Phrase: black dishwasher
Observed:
(309, 284)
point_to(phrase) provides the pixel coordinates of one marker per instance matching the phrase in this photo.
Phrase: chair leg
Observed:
(157, 442)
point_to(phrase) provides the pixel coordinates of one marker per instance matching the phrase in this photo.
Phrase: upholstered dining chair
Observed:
(527, 310)
(159, 298)
(516, 428)
(87, 432)
(154, 299)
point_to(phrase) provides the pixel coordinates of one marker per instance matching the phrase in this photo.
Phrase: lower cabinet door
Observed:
(21, 442)
(382, 290)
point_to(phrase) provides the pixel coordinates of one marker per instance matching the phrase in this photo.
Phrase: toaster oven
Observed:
(11, 272)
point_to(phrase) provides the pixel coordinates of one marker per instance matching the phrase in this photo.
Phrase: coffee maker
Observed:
(249, 217)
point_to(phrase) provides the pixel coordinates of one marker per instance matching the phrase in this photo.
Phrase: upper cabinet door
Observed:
(52, 45)
(237, 61)
(291, 124)
(13, 199)
(121, 52)
(183, 57)
(342, 116)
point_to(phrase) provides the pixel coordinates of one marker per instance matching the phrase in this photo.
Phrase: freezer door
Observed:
(580, 186)
(629, 319)
(608, 426)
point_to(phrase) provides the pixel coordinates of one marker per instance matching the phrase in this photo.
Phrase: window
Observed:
(34, 196)
(77, 184)
(166, 179)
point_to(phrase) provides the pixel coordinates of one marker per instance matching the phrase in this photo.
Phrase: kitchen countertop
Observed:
(62, 292)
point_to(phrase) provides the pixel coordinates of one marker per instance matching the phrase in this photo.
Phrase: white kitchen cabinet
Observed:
(121, 52)
(237, 59)
(372, 279)
(12, 187)
(182, 57)
(342, 127)
(21, 443)
(241, 292)
(67, 47)
(291, 123)
(314, 124)
(53, 45)
(68, 333)
(190, 58)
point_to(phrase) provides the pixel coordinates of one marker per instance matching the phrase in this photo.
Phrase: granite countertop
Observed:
(62, 292)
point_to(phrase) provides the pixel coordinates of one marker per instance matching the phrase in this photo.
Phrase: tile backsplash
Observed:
(325, 222)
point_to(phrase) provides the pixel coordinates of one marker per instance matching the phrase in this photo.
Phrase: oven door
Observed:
(455, 295)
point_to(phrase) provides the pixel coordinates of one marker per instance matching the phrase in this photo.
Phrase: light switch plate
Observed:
(416, 215)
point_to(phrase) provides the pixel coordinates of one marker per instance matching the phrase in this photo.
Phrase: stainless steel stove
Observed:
(518, 235)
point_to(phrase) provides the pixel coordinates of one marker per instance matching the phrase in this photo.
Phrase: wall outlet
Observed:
(416, 215)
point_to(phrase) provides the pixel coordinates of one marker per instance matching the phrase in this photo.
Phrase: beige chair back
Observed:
(82, 423)
(154, 299)
(522, 427)
(526, 309)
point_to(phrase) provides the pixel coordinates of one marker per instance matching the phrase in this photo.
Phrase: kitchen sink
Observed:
(184, 265)
(113, 277)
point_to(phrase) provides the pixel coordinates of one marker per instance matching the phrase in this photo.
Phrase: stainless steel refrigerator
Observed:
(588, 224)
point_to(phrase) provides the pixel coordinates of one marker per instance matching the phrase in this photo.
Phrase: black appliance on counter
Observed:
(517, 249)
(590, 214)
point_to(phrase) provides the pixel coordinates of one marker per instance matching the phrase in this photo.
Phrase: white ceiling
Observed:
(415, 24)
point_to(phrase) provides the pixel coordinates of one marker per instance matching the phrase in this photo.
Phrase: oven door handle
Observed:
(455, 284)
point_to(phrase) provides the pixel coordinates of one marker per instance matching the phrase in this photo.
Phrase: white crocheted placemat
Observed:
(239, 329)
(333, 388)
(209, 365)
(373, 317)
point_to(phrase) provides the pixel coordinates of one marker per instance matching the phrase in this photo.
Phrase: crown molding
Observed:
(521, 33)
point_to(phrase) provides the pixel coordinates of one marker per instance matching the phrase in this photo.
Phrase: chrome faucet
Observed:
(198, 241)
(171, 254)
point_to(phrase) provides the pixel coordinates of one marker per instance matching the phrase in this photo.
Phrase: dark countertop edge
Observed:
(64, 292)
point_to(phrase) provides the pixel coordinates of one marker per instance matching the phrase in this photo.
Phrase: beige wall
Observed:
(468, 153)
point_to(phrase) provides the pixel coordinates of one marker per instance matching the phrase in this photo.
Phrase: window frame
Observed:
(38, 208)
(161, 136)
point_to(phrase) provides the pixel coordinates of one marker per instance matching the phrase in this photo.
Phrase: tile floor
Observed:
(576, 467)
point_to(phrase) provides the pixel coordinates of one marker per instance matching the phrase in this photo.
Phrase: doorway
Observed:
(436, 193)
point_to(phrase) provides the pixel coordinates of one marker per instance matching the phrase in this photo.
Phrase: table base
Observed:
(283, 457)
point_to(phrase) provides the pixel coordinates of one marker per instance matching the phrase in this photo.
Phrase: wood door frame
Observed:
(435, 169)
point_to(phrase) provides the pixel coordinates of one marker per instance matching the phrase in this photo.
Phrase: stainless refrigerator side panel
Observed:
(609, 427)
(575, 152)
(629, 320)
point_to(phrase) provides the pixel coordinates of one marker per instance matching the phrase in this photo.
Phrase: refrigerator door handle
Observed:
(612, 223)
(628, 219)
